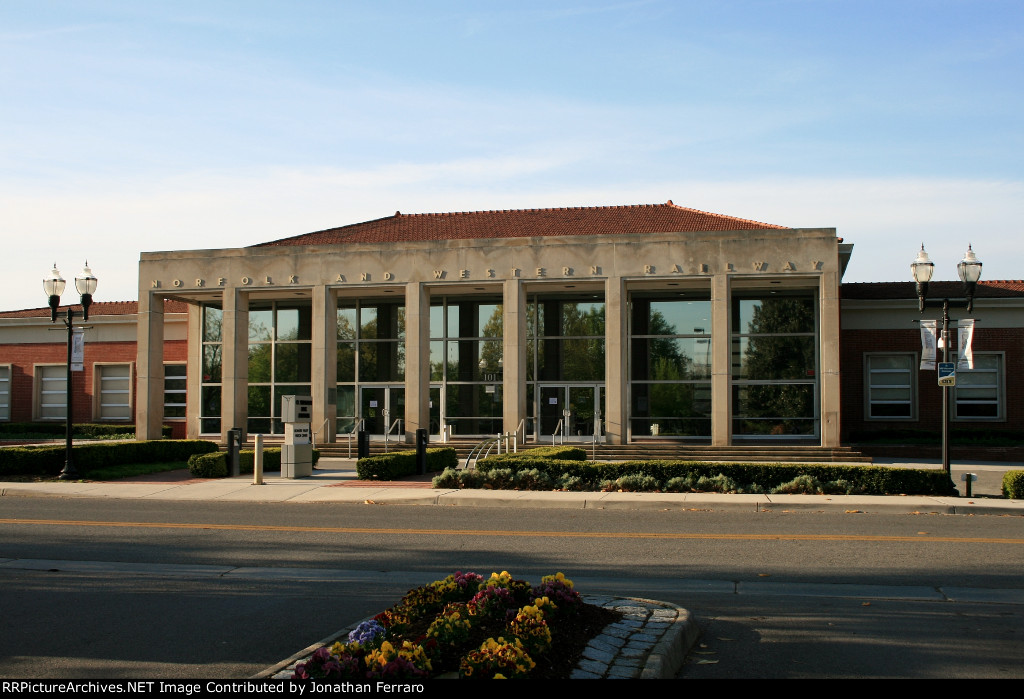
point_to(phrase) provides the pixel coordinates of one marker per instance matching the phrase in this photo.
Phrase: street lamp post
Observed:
(969, 271)
(53, 286)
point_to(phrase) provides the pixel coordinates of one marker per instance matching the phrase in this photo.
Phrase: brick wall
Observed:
(855, 343)
(23, 359)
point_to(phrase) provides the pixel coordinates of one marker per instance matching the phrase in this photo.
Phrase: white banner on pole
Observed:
(928, 335)
(77, 349)
(965, 329)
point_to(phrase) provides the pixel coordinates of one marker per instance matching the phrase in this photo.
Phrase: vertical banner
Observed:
(77, 349)
(965, 328)
(928, 333)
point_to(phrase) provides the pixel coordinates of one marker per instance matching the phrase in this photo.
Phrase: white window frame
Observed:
(40, 392)
(183, 391)
(112, 398)
(5, 392)
(911, 386)
(1000, 387)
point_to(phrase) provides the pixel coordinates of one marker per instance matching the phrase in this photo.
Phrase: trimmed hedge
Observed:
(216, 465)
(751, 477)
(48, 460)
(104, 430)
(1013, 485)
(388, 467)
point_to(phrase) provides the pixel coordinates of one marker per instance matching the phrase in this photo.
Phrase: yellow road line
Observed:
(526, 533)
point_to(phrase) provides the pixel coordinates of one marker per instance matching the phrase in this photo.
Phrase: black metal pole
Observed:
(69, 473)
(945, 390)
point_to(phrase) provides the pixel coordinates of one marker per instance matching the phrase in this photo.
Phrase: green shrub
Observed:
(803, 484)
(574, 484)
(389, 467)
(208, 465)
(532, 479)
(470, 479)
(499, 479)
(638, 483)
(48, 460)
(720, 483)
(448, 478)
(1013, 485)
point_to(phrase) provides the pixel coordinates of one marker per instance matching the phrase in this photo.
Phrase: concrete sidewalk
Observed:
(334, 480)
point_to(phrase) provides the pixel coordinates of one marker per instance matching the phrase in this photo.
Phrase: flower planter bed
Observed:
(466, 626)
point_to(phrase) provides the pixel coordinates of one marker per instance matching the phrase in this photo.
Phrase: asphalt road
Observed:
(117, 588)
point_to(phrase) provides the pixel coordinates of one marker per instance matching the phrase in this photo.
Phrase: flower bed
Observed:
(468, 627)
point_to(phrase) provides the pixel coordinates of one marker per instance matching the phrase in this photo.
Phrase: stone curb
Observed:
(650, 643)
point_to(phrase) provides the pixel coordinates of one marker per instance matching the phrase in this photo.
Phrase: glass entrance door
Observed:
(571, 413)
(380, 407)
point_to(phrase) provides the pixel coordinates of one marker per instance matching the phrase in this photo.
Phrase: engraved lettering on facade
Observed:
(703, 267)
(176, 283)
(440, 274)
(515, 272)
(595, 269)
(789, 267)
(200, 282)
(221, 281)
(155, 284)
(490, 274)
(542, 272)
(760, 266)
(817, 265)
(364, 277)
(729, 267)
(676, 269)
(463, 274)
(268, 280)
(293, 279)
(340, 279)
(246, 281)
(566, 271)
(388, 276)
(648, 269)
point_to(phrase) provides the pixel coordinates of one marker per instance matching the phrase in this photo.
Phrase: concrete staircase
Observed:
(646, 450)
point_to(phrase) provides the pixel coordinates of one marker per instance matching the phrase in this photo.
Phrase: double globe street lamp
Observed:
(969, 271)
(53, 286)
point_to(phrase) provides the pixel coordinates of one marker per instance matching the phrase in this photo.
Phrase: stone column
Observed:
(417, 360)
(829, 358)
(324, 375)
(149, 367)
(721, 351)
(234, 406)
(616, 330)
(513, 353)
(194, 372)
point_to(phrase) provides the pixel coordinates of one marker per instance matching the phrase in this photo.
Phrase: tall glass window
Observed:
(371, 360)
(670, 365)
(775, 365)
(210, 385)
(467, 364)
(565, 358)
(280, 361)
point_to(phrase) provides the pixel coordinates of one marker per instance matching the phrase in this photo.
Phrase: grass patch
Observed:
(117, 472)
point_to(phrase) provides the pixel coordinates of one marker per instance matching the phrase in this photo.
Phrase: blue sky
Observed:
(131, 126)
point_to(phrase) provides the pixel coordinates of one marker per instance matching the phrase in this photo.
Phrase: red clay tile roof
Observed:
(524, 223)
(936, 290)
(98, 308)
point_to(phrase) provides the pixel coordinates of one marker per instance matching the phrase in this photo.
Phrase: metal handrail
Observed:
(312, 437)
(520, 426)
(355, 430)
(559, 431)
(474, 453)
(387, 433)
